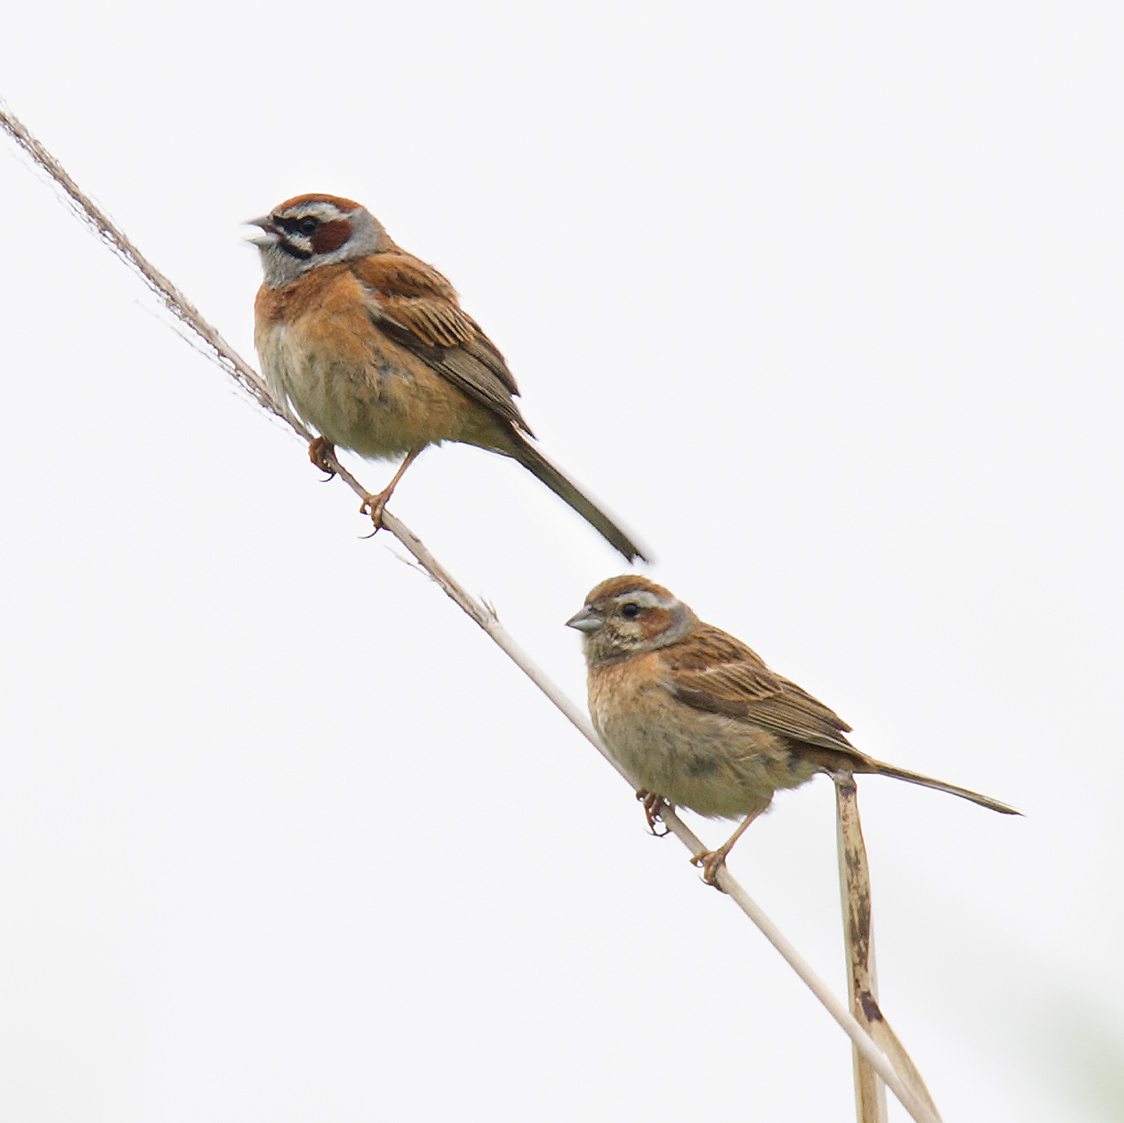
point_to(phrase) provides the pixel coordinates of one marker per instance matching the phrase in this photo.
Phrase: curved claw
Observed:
(653, 805)
(710, 862)
(322, 453)
(374, 506)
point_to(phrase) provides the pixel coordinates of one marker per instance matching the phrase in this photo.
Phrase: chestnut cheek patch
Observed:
(331, 236)
(653, 621)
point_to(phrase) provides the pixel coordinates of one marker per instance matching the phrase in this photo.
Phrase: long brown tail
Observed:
(877, 766)
(535, 462)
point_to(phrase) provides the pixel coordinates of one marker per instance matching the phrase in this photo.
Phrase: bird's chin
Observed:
(280, 267)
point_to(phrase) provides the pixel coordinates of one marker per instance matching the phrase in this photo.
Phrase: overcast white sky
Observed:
(823, 301)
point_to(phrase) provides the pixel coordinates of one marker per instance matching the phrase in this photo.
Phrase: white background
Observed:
(823, 301)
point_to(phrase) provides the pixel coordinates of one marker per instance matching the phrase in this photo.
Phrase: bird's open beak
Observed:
(269, 235)
(585, 621)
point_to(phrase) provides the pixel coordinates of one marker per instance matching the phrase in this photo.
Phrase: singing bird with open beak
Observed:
(369, 345)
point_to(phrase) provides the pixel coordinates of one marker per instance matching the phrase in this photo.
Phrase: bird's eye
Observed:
(630, 611)
(308, 225)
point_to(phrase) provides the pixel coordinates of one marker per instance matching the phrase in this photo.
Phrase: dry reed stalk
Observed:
(220, 352)
(862, 984)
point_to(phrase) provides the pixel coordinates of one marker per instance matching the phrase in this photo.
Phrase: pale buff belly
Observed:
(712, 764)
(377, 405)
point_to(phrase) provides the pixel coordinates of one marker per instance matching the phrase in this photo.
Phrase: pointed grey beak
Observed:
(268, 236)
(585, 621)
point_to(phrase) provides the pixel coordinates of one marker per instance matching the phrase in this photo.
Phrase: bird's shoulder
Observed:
(416, 307)
(713, 671)
(719, 664)
(417, 296)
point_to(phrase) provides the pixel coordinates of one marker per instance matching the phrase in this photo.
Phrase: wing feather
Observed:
(713, 671)
(415, 306)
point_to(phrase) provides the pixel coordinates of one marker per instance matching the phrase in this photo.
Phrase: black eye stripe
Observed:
(305, 225)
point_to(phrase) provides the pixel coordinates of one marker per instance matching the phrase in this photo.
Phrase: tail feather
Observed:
(852, 760)
(938, 785)
(536, 463)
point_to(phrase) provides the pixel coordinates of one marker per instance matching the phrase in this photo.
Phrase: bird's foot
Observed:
(653, 805)
(374, 506)
(322, 453)
(710, 862)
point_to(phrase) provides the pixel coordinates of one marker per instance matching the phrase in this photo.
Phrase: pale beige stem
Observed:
(854, 890)
(862, 983)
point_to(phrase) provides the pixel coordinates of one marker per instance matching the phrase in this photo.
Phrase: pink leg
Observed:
(712, 861)
(374, 505)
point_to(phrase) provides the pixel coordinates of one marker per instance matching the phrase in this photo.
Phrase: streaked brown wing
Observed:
(713, 671)
(417, 308)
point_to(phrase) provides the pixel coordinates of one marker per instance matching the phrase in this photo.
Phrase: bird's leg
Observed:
(322, 453)
(653, 804)
(374, 505)
(712, 861)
